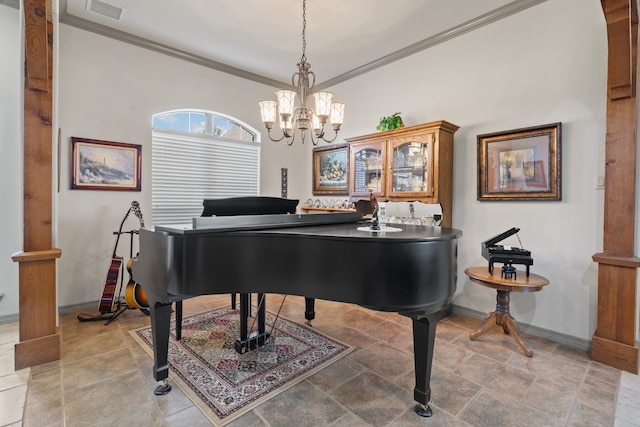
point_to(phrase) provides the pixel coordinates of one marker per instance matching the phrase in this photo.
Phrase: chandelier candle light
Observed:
(302, 116)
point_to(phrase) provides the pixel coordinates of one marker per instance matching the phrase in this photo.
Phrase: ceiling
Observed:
(262, 39)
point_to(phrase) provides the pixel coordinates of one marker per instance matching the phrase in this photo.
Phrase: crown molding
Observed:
(11, 3)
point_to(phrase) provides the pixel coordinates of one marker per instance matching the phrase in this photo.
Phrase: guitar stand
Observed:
(109, 317)
(121, 307)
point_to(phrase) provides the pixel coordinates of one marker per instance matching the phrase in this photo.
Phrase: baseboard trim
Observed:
(560, 338)
(91, 305)
(9, 318)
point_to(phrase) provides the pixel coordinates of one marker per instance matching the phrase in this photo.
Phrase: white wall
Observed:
(10, 159)
(544, 65)
(109, 91)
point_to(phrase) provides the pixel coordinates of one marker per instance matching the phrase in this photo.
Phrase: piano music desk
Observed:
(521, 283)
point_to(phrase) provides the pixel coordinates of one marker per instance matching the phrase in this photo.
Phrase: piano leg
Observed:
(424, 335)
(178, 320)
(262, 317)
(244, 323)
(160, 324)
(309, 309)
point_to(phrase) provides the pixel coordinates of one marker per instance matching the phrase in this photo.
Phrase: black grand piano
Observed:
(412, 271)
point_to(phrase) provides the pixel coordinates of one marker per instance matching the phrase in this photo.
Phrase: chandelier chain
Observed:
(304, 31)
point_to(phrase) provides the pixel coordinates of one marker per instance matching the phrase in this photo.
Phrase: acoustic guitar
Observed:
(134, 295)
(111, 283)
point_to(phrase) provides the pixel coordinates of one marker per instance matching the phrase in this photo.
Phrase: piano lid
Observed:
(259, 222)
(500, 237)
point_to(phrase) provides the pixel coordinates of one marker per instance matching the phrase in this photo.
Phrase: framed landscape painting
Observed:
(105, 165)
(521, 164)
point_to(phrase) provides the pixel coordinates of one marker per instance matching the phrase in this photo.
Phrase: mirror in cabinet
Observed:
(368, 169)
(410, 166)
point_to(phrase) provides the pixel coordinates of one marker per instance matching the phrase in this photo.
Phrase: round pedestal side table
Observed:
(504, 284)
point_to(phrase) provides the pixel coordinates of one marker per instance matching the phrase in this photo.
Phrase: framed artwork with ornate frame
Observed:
(520, 164)
(105, 165)
(330, 172)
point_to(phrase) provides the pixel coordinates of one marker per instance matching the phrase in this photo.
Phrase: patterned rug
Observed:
(225, 384)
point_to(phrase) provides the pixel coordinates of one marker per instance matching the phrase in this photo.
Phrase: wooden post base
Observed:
(614, 342)
(37, 351)
(616, 354)
(39, 335)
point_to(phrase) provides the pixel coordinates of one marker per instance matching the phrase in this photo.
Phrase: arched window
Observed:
(199, 155)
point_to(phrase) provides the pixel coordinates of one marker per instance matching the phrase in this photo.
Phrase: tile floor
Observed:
(104, 378)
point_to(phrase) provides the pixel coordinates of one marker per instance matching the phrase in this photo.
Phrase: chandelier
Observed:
(301, 116)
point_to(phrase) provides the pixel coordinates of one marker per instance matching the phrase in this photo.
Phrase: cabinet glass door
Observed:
(368, 173)
(411, 165)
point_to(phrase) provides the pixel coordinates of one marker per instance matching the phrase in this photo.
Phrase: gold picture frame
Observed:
(330, 170)
(105, 165)
(520, 164)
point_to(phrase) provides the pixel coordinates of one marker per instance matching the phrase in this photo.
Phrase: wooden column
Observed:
(39, 335)
(614, 341)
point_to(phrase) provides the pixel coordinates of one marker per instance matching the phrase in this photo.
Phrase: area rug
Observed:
(225, 384)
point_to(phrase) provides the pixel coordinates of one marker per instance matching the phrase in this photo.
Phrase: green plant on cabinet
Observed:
(391, 122)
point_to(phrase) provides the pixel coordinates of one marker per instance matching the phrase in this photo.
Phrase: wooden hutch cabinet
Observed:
(407, 164)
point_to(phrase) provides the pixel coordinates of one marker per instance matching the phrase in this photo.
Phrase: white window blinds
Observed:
(188, 168)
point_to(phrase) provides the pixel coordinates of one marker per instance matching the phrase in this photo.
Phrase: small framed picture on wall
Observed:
(105, 165)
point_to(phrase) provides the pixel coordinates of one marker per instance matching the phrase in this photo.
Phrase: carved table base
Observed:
(504, 319)
(504, 286)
